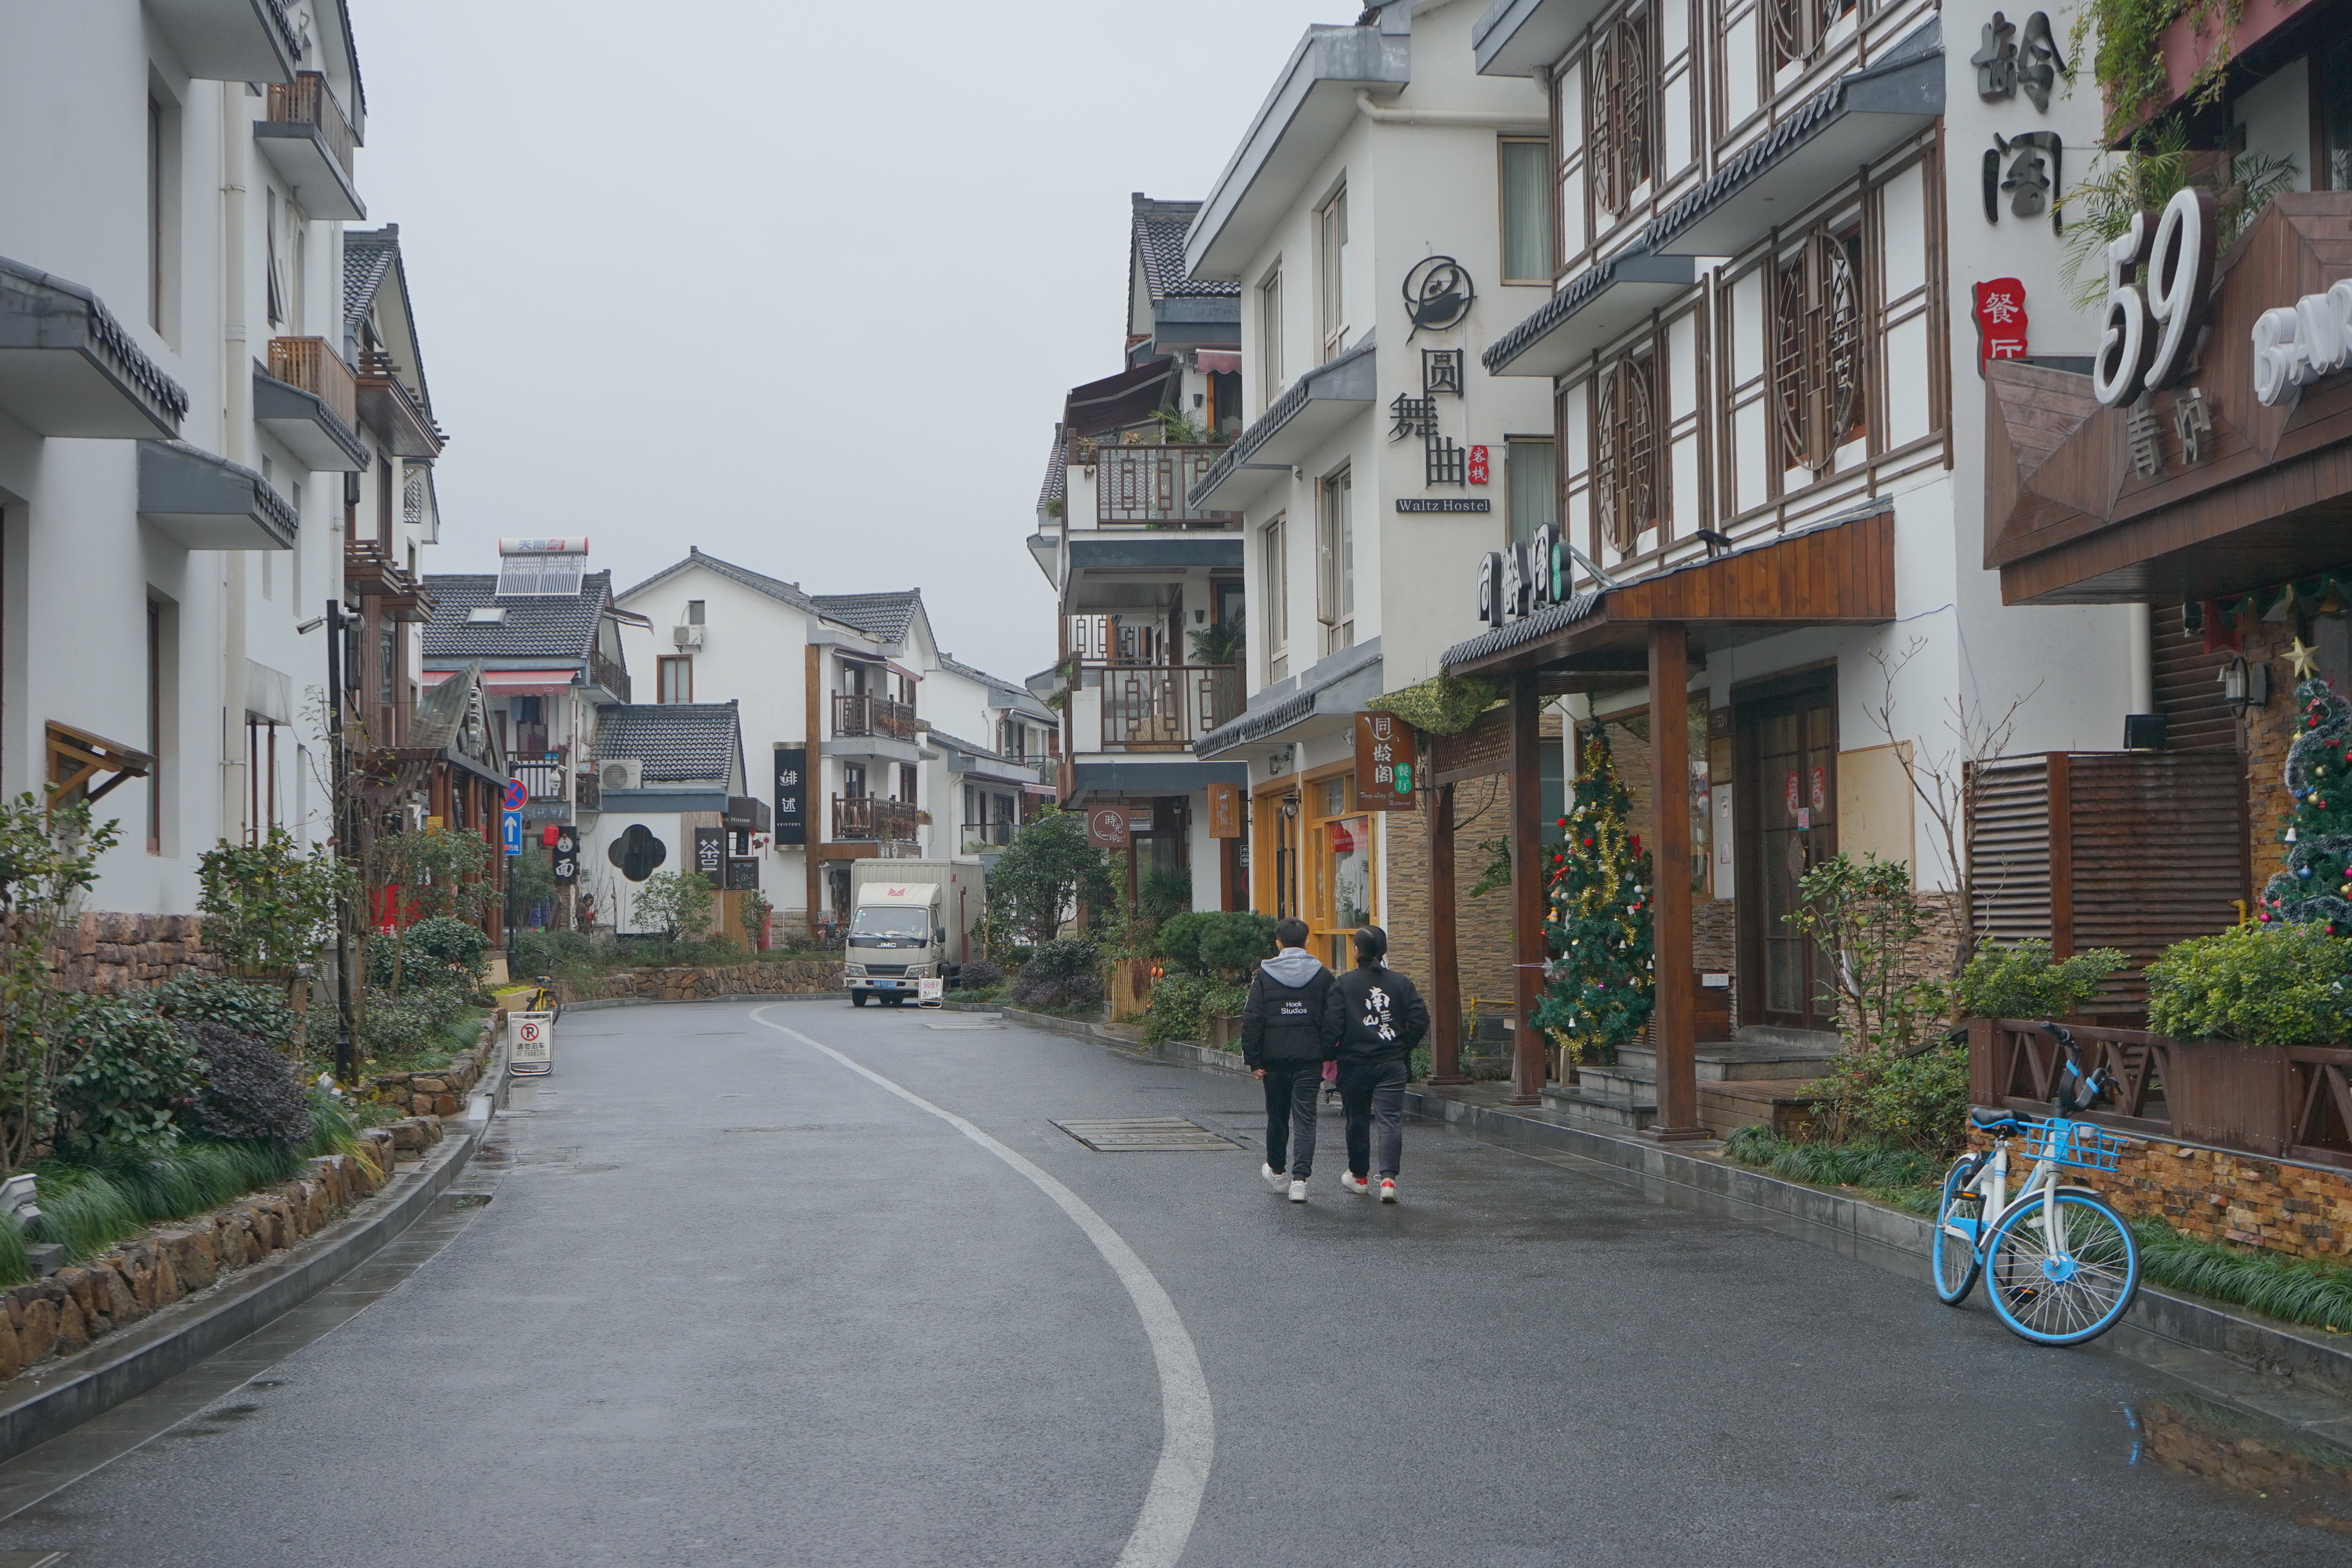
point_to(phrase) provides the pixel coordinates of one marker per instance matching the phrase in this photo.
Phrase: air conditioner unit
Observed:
(687, 637)
(622, 773)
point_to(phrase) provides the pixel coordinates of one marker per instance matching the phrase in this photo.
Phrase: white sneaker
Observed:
(1273, 1178)
(1353, 1183)
(1388, 1189)
(1298, 1191)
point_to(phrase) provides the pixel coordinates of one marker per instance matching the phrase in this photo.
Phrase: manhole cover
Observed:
(1145, 1134)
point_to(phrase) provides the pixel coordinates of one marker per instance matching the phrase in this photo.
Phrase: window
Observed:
(1332, 258)
(1526, 210)
(1817, 364)
(853, 779)
(1618, 113)
(694, 612)
(1625, 452)
(906, 783)
(1338, 862)
(1799, 28)
(1532, 481)
(275, 283)
(261, 812)
(155, 727)
(1269, 336)
(162, 214)
(674, 679)
(1274, 590)
(1335, 562)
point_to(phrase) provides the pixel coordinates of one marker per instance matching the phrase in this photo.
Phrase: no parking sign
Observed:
(530, 1044)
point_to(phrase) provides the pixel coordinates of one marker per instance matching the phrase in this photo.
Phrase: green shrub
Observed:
(2258, 985)
(979, 974)
(249, 1092)
(2018, 980)
(428, 1023)
(1064, 976)
(1918, 1101)
(136, 1071)
(260, 1011)
(1232, 941)
(442, 950)
(1179, 939)
(1182, 1005)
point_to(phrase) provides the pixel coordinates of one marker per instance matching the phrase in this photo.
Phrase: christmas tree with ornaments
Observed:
(2316, 888)
(1597, 920)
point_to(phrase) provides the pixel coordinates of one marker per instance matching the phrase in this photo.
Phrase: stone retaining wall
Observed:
(83, 1302)
(436, 1091)
(115, 953)
(787, 977)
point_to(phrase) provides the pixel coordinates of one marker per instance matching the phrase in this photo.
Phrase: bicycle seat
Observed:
(1993, 1121)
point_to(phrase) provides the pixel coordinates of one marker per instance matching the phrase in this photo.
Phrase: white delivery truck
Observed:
(910, 920)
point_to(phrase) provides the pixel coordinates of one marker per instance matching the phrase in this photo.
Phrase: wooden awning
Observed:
(78, 759)
(1839, 574)
(2266, 496)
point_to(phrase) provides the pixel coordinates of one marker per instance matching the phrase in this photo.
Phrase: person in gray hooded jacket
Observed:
(1283, 1044)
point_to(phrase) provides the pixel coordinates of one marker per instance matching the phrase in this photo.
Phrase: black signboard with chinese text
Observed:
(792, 795)
(566, 850)
(710, 854)
(742, 874)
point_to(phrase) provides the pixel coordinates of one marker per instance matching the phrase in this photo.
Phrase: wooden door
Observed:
(1788, 791)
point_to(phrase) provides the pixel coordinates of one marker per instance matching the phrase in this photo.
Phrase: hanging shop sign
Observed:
(2001, 320)
(1106, 827)
(1386, 764)
(1224, 811)
(2148, 334)
(1480, 468)
(710, 855)
(742, 874)
(792, 795)
(1437, 293)
(566, 852)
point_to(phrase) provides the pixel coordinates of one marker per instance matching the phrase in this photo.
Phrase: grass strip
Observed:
(2305, 1290)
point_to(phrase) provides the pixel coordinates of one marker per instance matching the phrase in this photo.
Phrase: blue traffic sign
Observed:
(514, 831)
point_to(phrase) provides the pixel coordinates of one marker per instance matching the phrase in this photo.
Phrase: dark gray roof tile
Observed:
(679, 743)
(1160, 231)
(535, 626)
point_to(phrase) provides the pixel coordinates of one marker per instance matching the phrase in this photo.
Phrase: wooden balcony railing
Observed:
(859, 713)
(1145, 487)
(308, 100)
(870, 819)
(2281, 1102)
(545, 773)
(312, 364)
(608, 674)
(371, 571)
(393, 410)
(1164, 707)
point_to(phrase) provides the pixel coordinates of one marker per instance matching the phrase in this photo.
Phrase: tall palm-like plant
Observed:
(2099, 208)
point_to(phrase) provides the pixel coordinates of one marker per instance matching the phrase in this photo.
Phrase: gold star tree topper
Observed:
(2299, 656)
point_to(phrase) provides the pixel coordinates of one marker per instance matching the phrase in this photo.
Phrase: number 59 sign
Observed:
(2148, 331)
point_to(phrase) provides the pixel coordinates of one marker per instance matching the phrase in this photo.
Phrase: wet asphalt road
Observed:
(735, 1304)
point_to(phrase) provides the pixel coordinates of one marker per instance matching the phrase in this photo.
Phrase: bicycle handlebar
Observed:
(2097, 1085)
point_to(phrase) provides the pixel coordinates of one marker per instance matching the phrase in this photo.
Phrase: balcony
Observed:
(370, 572)
(544, 772)
(859, 715)
(588, 791)
(1155, 707)
(207, 502)
(870, 819)
(1145, 486)
(392, 411)
(230, 40)
(987, 838)
(608, 674)
(310, 400)
(69, 368)
(310, 141)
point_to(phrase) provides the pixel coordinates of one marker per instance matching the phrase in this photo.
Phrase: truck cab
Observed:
(896, 942)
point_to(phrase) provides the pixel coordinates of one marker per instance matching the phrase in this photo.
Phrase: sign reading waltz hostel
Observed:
(792, 795)
(1385, 763)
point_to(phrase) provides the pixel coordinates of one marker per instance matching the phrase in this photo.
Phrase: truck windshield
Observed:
(902, 923)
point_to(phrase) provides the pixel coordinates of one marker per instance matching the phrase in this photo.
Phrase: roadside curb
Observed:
(599, 1004)
(2286, 1353)
(129, 1362)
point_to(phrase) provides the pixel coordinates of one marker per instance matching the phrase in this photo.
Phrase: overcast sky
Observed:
(799, 283)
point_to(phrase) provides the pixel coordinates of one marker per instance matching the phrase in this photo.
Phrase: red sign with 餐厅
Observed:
(2000, 320)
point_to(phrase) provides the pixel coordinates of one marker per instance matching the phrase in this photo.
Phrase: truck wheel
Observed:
(857, 998)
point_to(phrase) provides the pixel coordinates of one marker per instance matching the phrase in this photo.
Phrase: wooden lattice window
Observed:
(1799, 28)
(1617, 134)
(1625, 451)
(1817, 369)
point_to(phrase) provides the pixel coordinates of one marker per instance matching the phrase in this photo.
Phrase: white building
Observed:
(210, 406)
(839, 695)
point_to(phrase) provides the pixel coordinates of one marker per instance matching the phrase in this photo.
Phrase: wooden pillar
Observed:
(814, 807)
(1529, 1060)
(1444, 962)
(1672, 1021)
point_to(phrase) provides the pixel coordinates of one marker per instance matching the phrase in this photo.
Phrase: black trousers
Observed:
(1290, 1092)
(1369, 1090)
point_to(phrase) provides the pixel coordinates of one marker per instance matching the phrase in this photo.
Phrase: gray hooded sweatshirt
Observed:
(1283, 1021)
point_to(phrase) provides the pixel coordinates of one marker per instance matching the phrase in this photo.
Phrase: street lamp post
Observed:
(340, 783)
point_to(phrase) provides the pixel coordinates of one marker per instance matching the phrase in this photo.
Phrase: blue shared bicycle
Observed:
(2060, 1266)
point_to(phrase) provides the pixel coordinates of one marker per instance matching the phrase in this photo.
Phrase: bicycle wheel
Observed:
(2064, 1295)
(1959, 1228)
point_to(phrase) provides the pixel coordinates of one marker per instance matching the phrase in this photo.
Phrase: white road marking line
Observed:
(1188, 1440)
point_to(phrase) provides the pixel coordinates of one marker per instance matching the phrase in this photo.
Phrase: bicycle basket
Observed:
(2077, 1143)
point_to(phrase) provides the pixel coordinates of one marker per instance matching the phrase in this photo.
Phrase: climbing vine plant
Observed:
(2129, 63)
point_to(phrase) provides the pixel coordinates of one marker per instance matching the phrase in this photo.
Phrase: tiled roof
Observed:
(535, 626)
(883, 616)
(368, 257)
(1014, 688)
(758, 581)
(1160, 231)
(679, 743)
(1057, 471)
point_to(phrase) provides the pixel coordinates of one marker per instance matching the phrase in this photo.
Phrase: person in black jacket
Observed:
(1374, 1016)
(1283, 1043)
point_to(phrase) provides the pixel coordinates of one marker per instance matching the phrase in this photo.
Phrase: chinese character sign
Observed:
(1478, 465)
(2004, 62)
(792, 795)
(567, 855)
(1224, 811)
(2001, 320)
(2030, 178)
(1106, 827)
(710, 855)
(1387, 764)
